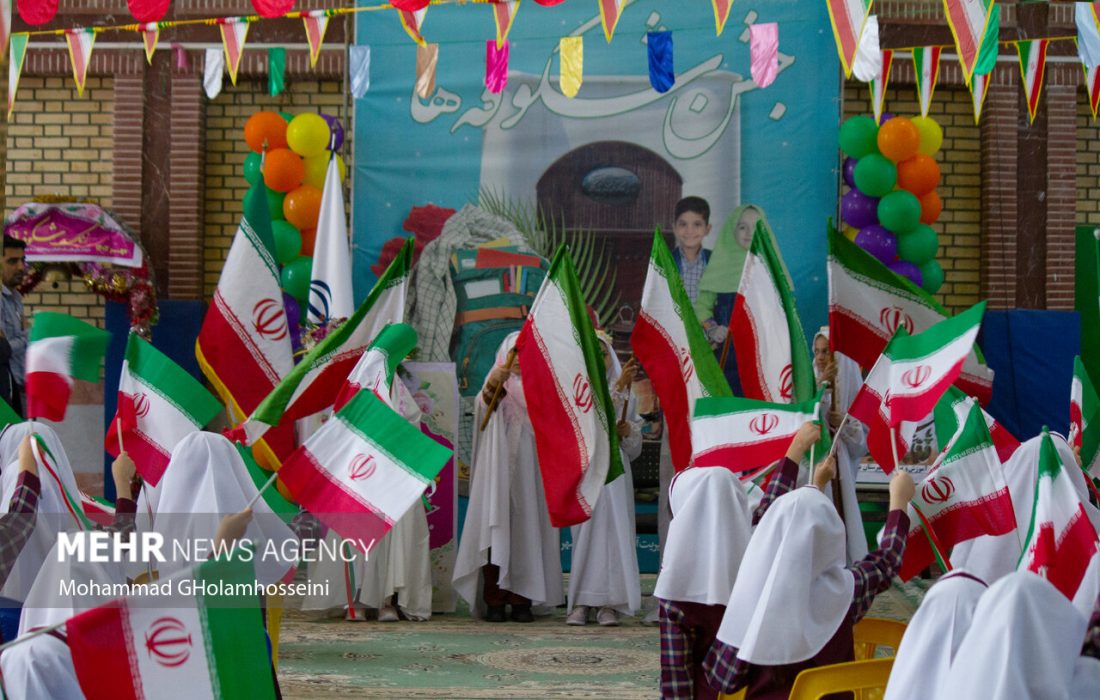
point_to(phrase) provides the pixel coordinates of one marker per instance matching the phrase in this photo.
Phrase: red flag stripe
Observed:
(1065, 561)
(96, 637)
(991, 515)
(47, 395)
(745, 457)
(746, 347)
(656, 351)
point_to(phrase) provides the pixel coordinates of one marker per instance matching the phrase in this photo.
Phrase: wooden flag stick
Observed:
(496, 393)
(263, 488)
(32, 635)
(118, 430)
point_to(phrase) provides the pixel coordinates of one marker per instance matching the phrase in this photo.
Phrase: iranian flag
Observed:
(313, 384)
(669, 343)
(565, 385)
(1083, 404)
(968, 19)
(926, 66)
(244, 346)
(1033, 63)
(868, 303)
(773, 357)
(869, 407)
(1061, 541)
(964, 496)
(206, 645)
(363, 470)
(378, 365)
(60, 350)
(97, 510)
(951, 413)
(743, 434)
(848, 18)
(159, 404)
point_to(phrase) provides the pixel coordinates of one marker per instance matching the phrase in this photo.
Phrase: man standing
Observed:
(13, 269)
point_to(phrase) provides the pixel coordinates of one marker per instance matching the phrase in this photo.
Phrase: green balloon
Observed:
(875, 175)
(899, 212)
(288, 242)
(275, 204)
(919, 245)
(859, 136)
(295, 277)
(252, 171)
(931, 276)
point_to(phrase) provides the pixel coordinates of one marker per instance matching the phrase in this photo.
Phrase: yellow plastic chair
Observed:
(275, 606)
(858, 676)
(739, 695)
(871, 632)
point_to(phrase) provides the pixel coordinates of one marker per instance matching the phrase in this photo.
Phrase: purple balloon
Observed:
(337, 131)
(879, 242)
(858, 210)
(850, 172)
(293, 321)
(908, 270)
(886, 116)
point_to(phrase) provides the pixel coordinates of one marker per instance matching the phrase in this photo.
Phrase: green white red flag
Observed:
(968, 20)
(1092, 87)
(159, 404)
(96, 510)
(848, 18)
(879, 83)
(1033, 65)
(951, 413)
(669, 343)
(377, 367)
(1083, 407)
(964, 496)
(313, 384)
(1061, 540)
(773, 358)
(868, 303)
(743, 434)
(60, 350)
(869, 407)
(208, 645)
(565, 385)
(979, 87)
(363, 470)
(244, 347)
(926, 68)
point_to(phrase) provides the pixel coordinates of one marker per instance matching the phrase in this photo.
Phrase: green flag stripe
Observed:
(385, 430)
(974, 437)
(904, 347)
(89, 342)
(730, 405)
(171, 382)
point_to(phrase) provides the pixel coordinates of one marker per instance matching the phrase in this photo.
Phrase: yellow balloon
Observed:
(317, 168)
(850, 233)
(308, 135)
(931, 135)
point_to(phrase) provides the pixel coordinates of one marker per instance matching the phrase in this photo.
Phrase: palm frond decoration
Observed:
(545, 233)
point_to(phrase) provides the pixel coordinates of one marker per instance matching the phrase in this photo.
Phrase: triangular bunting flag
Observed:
(150, 35)
(662, 75)
(1088, 34)
(234, 30)
(979, 86)
(848, 18)
(1033, 64)
(504, 13)
(610, 10)
(878, 85)
(926, 66)
(412, 22)
(80, 43)
(721, 14)
(764, 53)
(571, 56)
(968, 20)
(1092, 86)
(316, 23)
(991, 44)
(15, 66)
(868, 59)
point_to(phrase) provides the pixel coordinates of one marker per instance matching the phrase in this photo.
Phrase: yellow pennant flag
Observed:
(571, 53)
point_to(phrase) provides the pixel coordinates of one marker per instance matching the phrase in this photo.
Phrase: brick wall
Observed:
(959, 227)
(226, 150)
(1088, 164)
(58, 143)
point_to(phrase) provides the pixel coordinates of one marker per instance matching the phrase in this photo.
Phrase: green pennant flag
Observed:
(276, 70)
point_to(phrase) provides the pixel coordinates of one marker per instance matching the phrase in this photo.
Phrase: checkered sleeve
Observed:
(676, 643)
(784, 481)
(725, 672)
(874, 572)
(17, 524)
(1092, 635)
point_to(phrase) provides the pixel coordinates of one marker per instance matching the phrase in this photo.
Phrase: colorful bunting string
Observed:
(234, 32)
(80, 43)
(316, 24)
(1033, 63)
(571, 66)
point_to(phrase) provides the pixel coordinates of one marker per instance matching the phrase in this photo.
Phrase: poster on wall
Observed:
(616, 157)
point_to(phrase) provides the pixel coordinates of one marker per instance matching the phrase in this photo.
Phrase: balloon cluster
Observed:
(290, 153)
(892, 203)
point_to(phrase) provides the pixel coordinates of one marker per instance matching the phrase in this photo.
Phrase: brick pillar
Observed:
(1000, 117)
(185, 183)
(1061, 98)
(126, 160)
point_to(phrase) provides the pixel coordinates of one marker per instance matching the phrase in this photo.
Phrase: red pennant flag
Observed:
(316, 23)
(504, 14)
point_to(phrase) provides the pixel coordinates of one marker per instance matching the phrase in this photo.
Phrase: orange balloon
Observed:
(264, 127)
(919, 174)
(283, 170)
(898, 139)
(309, 239)
(301, 208)
(930, 208)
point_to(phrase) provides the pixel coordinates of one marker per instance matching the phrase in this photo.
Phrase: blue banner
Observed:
(619, 154)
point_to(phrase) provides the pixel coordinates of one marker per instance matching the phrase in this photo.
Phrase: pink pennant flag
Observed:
(316, 23)
(496, 66)
(150, 35)
(234, 30)
(80, 43)
(181, 56)
(764, 53)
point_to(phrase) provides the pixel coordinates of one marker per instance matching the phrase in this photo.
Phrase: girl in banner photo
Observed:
(509, 554)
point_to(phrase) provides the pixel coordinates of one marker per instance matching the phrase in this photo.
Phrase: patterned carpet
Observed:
(452, 656)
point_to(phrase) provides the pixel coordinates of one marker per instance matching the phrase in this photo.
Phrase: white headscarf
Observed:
(206, 480)
(46, 606)
(54, 514)
(933, 636)
(792, 592)
(710, 530)
(1023, 643)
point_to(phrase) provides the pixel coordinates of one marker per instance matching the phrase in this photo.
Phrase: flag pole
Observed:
(263, 488)
(496, 393)
(933, 541)
(31, 635)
